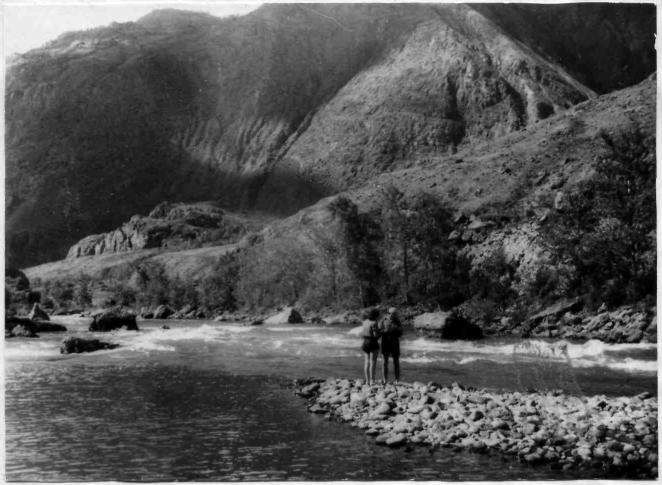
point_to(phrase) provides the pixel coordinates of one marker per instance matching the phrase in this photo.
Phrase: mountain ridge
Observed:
(110, 111)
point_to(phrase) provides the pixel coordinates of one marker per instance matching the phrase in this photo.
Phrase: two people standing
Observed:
(389, 329)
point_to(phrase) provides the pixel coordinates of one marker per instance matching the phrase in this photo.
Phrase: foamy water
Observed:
(338, 342)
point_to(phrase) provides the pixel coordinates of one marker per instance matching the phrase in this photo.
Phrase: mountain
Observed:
(510, 183)
(276, 109)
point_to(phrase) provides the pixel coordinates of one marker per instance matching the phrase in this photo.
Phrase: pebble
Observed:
(618, 434)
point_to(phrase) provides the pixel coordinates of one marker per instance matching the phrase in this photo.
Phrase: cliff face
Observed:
(277, 108)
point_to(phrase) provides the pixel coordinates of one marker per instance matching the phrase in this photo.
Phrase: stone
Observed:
(396, 440)
(448, 325)
(41, 326)
(533, 458)
(22, 331)
(560, 201)
(499, 424)
(113, 319)
(37, 313)
(584, 452)
(163, 311)
(557, 310)
(76, 345)
(24, 327)
(383, 408)
(382, 438)
(288, 315)
(476, 415)
(415, 408)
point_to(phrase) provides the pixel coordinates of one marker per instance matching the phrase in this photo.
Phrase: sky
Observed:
(28, 24)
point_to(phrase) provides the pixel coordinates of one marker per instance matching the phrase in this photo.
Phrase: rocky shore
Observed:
(617, 435)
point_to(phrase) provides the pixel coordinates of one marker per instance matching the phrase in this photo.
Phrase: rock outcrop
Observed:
(287, 315)
(163, 311)
(167, 226)
(27, 327)
(113, 319)
(623, 325)
(447, 325)
(617, 435)
(76, 345)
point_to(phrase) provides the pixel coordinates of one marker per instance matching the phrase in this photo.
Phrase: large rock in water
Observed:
(37, 313)
(288, 315)
(25, 327)
(21, 330)
(76, 345)
(163, 311)
(448, 325)
(114, 319)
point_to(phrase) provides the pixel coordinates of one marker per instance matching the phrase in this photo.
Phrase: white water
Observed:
(333, 342)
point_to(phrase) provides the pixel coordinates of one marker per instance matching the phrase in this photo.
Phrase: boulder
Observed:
(24, 327)
(288, 315)
(113, 319)
(396, 440)
(163, 311)
(557, 310)
(146, 313)
(41, 326)
(76, 345)
(21, 331)
(37, 313)
(449, 325)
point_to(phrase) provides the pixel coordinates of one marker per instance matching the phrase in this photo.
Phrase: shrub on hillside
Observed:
(360, 237)
(274, 272)
(606, 231)
(217, 292)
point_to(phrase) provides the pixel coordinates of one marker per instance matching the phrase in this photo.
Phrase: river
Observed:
(212, 401)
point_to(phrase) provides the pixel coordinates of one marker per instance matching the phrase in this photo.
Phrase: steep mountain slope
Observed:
(272, 110)
(510, 183)
(457, 79)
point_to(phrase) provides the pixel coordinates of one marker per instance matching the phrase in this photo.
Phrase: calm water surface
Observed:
(212, 401)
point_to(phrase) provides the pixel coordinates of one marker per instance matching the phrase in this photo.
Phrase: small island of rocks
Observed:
(615, 434)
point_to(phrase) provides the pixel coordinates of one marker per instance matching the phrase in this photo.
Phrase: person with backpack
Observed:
(390, 329)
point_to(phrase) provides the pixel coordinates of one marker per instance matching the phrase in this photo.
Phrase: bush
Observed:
(274, 272)
(217, 292)
(606, 231)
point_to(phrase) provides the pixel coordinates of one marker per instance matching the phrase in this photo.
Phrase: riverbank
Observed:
(615, 434)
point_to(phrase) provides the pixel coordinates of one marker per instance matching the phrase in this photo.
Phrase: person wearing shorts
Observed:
(370, 345)
(390, 330)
